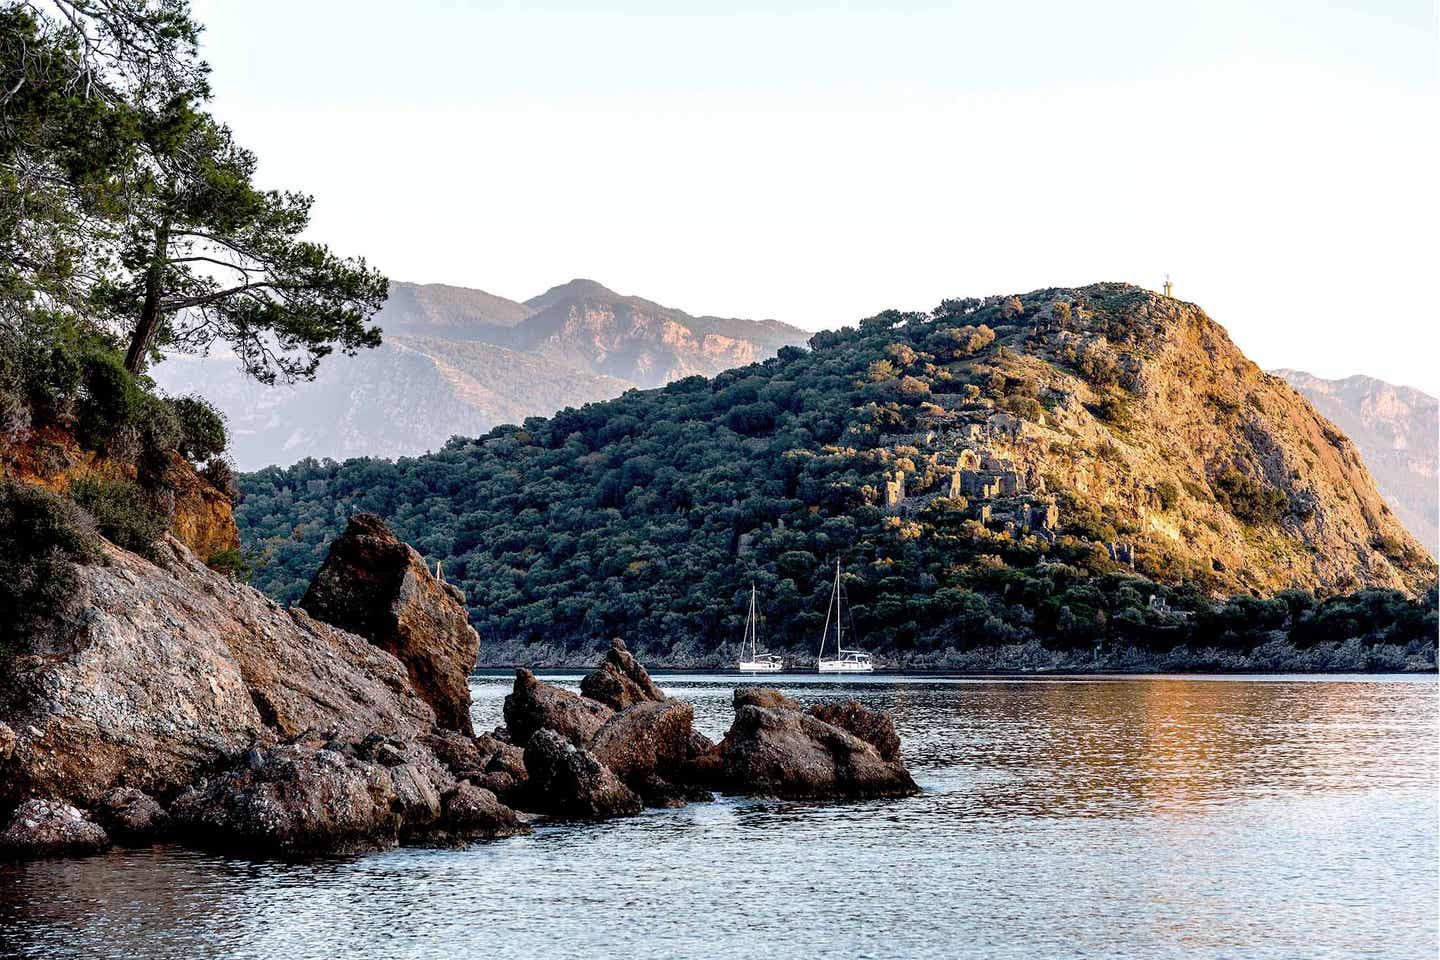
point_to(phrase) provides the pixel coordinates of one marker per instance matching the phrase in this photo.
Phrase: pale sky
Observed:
(817, 165)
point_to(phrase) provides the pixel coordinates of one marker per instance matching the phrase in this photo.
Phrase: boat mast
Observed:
(838, 651)
(754, 625)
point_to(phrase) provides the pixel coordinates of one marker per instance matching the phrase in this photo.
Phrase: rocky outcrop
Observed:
(302, 798)
(782, 752)
(873, 727)
(646, 740)
(535, 706)
(50, 828)
(762, 697)
(566, 781)
(474, 813)
(169, 670)
(131, 818)
(620, 681)
(373, 585)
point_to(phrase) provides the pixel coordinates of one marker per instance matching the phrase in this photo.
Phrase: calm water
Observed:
(1156, 817)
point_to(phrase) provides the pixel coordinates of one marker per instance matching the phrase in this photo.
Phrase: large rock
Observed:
(762, 697)
(373, 585)
(872, 726)
(169, 669)
(533, 706)
(620, 681)
(50, 828)
(648, 739)
(301, 798)
(474, 813)
(786, 753)
(131, 817)
(566, 781)
(485, 761)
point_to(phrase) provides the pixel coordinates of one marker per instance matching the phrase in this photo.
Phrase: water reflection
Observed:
(1126, 818)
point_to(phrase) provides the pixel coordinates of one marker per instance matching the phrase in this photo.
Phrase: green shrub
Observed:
(202, 428)
(110, 400)
(124, 513)
(1251, 501)
(1167, 494)
(42, 536)
(231, 563)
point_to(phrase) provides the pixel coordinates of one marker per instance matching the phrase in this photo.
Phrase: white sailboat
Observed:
(844, 661)
(751, 659)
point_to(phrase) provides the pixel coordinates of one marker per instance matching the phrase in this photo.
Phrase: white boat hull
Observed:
(759, 666)
(845, 666)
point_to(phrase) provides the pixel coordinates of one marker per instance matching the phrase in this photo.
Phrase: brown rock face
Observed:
(762, 697)
(373, 585)
(794, 755)
(50, 828)
(474, 813)
(131, 818)
(168, 670)
(535, 706)
(874, 728)
(299, 798)
(620, 681)
(645, 740)
(566, 781)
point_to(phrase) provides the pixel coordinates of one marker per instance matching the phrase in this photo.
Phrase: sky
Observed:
(819, 162)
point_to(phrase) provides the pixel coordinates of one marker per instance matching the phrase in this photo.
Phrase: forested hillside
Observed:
(1078, 470)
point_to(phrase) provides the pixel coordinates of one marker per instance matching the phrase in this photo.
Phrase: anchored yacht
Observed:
(852, 660)
(751, 659)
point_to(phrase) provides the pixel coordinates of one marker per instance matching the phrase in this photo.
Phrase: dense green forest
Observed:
(649, 516)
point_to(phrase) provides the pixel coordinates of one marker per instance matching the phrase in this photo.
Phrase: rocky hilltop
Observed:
(458, 362)
(1078, 470)
(1397, 430)
(168, 702)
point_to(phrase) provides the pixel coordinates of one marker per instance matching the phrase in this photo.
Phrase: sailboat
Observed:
(751, 659)
(844, 661)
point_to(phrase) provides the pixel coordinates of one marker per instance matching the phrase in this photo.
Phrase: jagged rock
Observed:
(620, 681)
(875, 728)
(131, 817)
(785, 753)
(474, 813)
(50, 828)
(534, 706)
(373, 585)
(503, 771)
(762, 697)
(567, 781)
(8, 740)
(646, 739)
(170, 669)
(297, 798)
(703, 765)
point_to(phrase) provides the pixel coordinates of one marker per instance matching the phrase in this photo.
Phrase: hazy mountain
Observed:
(457, 362)
(1398, 432)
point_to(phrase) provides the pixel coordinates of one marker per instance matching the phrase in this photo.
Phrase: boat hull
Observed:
(845, 666)
(759, 666)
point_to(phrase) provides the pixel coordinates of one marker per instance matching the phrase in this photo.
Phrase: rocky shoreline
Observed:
(183, 707)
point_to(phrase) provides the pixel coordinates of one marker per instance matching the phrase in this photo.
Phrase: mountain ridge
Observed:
(458, 361)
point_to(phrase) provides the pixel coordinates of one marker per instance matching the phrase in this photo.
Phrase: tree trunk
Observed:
(144, 330)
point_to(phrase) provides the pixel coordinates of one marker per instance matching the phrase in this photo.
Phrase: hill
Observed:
(1396, 429)
(457, 362)
(1072, 470)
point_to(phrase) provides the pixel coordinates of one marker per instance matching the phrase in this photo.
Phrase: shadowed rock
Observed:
(474, 813)
(298, 798)
(50, 828)
(132, 818)
(620, 681)
(648, 739)
(875, 728)
(785, 753)
(534, 706)
(569, 782)
(374, 585)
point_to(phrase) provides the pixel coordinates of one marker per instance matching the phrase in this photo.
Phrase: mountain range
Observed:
(457, 362)
(1398, 432)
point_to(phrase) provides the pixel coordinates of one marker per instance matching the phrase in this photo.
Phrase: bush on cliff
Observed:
(42, 536)
(125, 513)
